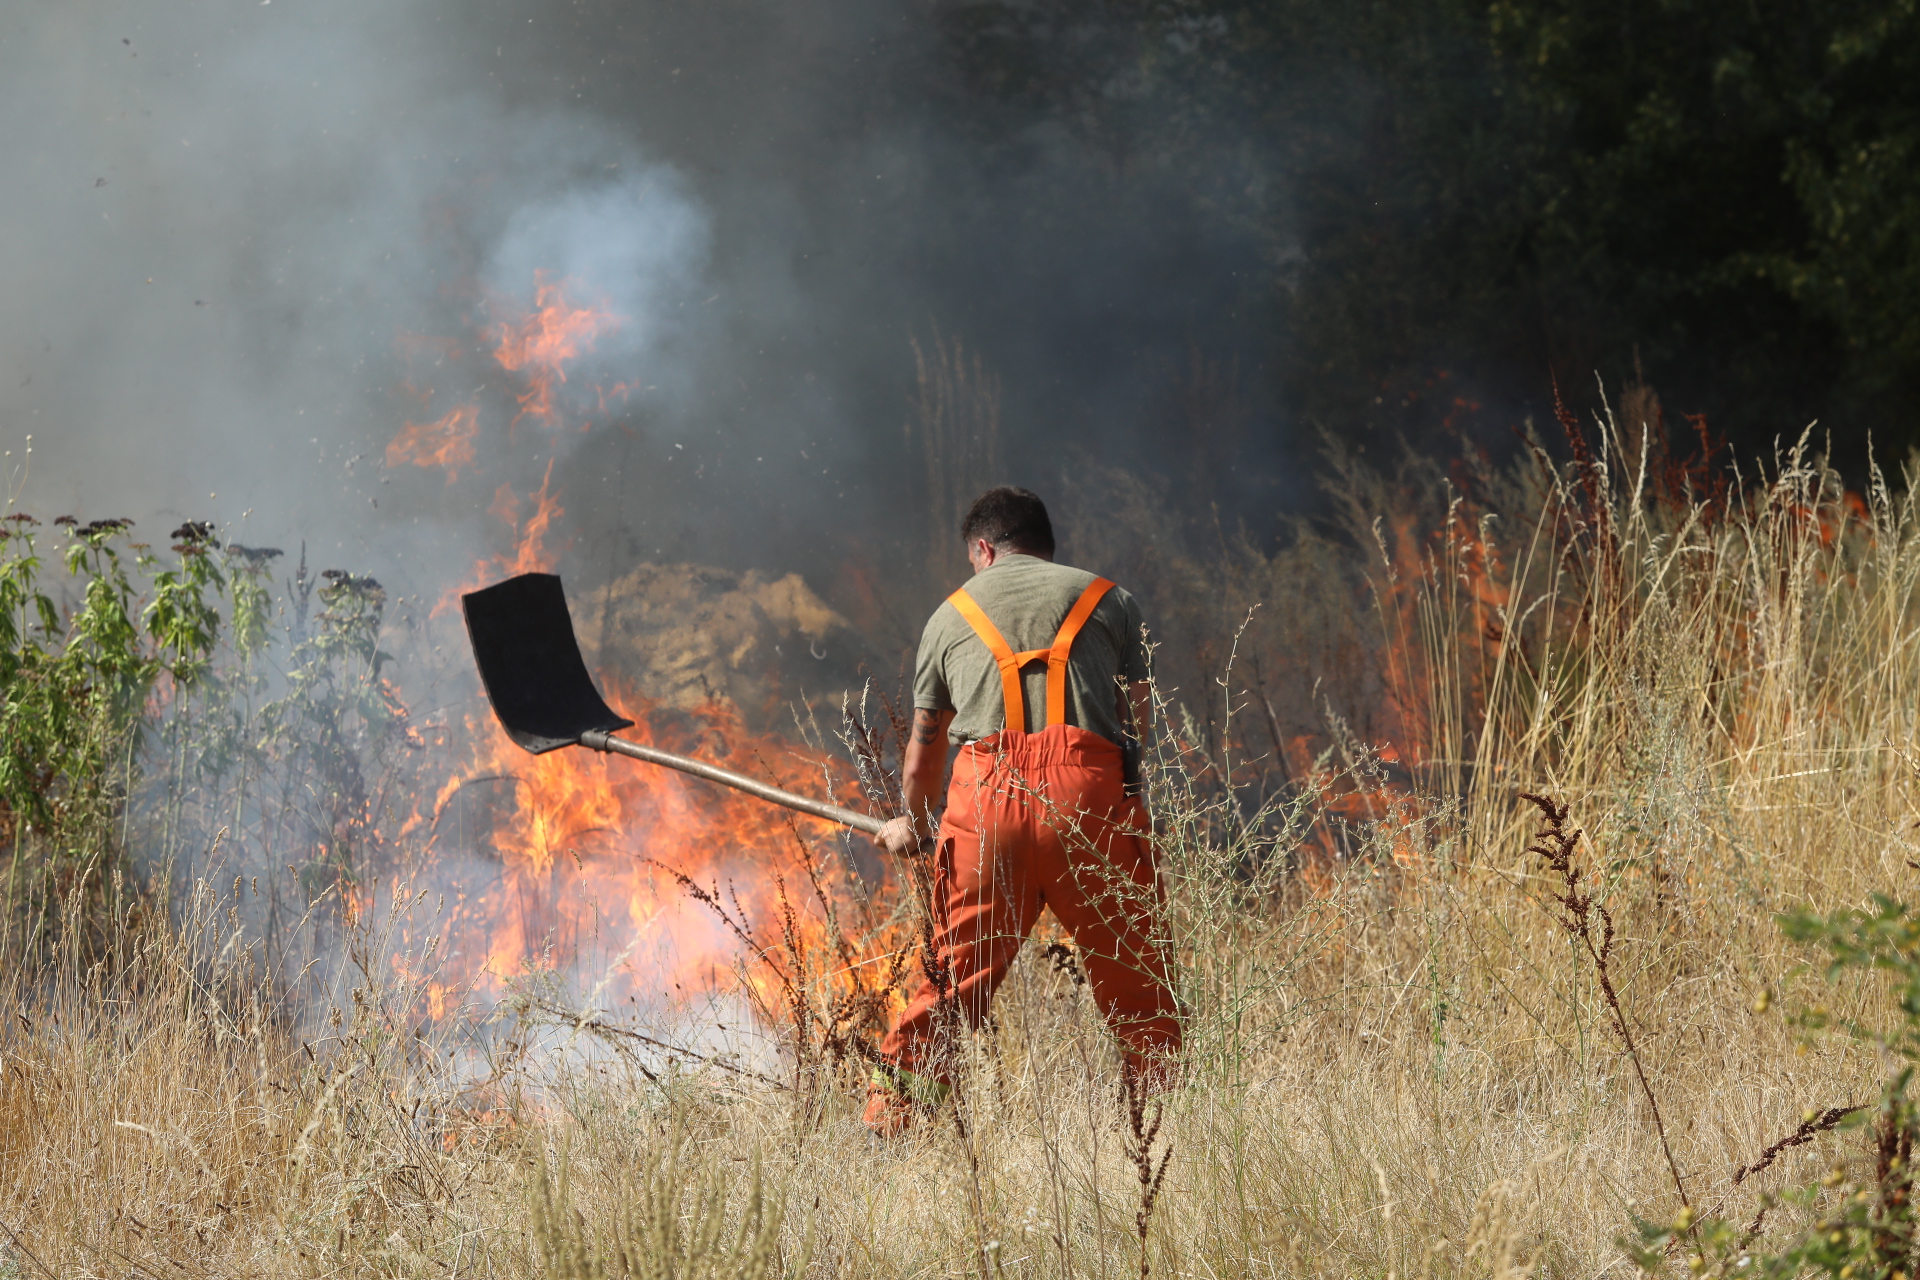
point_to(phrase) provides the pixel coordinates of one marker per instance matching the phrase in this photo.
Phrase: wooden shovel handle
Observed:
(600, 740)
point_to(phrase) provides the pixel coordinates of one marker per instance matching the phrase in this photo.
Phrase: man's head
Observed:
(1006, 521)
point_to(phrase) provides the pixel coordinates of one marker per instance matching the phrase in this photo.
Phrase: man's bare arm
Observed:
(928, 726)
(923, 777)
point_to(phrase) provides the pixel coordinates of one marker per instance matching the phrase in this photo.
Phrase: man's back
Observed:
(1041, 820)
(1027, 598)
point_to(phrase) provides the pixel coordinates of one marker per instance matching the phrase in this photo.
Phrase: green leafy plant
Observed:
(77, 684)
(1861, 1213)
(337, 720)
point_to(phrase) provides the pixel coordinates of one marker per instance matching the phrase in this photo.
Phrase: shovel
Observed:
(522, 638)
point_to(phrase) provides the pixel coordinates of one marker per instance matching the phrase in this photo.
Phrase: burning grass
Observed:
(1415, 1047)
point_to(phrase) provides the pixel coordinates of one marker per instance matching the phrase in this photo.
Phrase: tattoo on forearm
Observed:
(926, 726)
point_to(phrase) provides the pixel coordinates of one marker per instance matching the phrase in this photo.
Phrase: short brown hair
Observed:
(1009, 517)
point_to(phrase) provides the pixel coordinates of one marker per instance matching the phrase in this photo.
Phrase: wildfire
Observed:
(446, 442)
(530, 554)
(581, 841)
(570, 846)
(539, 345)
(568, 860)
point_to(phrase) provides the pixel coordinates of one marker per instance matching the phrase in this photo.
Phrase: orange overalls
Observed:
(1040, 820)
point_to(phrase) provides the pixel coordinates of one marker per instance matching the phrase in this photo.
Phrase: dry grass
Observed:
(1401, 1063)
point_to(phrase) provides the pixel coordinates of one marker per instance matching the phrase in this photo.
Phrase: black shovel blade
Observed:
(522, 638)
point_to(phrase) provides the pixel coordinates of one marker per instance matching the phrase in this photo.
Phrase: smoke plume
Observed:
(249, 244)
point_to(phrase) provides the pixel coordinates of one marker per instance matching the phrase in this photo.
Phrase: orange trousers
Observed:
(1042, 820)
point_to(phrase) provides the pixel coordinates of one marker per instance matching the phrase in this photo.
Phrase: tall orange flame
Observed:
(540, 344)
(557, 860)
(531, 554)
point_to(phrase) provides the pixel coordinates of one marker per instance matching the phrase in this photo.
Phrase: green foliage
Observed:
(162, 662)
(167, 705)
(1510, 188)
(270, 742)
(74, 687)
(76, 684)
(1887, 939)
(182, 621)
(252, 605)
(337, 720)
(1862, 1212)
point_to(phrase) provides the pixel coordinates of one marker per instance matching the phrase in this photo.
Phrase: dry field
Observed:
(1402, 1063)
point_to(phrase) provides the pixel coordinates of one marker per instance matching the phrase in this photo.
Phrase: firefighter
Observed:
(1037, 672)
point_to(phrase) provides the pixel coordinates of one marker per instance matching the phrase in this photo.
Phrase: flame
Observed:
(568, 860)
(539, 344)
(530, 554)
(618, 391)
(576, 846)
(446, 442)
(584, 843)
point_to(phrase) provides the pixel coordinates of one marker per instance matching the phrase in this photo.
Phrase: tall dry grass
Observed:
(1400, 1061)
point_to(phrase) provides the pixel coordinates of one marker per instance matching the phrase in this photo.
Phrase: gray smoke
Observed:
(246, 241)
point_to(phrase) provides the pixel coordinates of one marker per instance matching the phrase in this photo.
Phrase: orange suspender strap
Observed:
(1063, 646)
(1010, 662)
(1003, 654)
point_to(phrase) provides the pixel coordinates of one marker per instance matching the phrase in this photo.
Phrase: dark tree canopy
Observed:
(1478, 197)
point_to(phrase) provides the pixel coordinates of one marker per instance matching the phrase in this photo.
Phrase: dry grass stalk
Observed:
(1138, 1143)
(1815, 1124)
(1555, 845)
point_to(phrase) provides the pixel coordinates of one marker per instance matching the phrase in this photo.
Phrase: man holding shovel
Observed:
(1037, 671)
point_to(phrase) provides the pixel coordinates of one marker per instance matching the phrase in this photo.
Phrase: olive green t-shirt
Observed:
(1028, 598)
